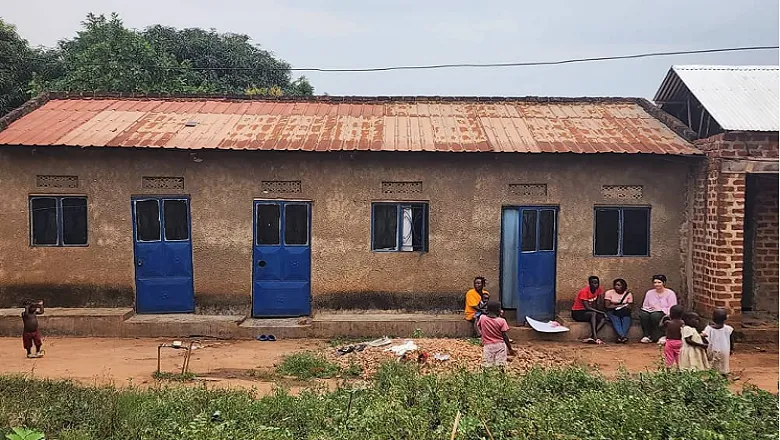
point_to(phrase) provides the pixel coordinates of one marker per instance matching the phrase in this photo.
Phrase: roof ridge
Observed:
(28, 107)
(62, 95)
(667, 119)
(725, 67)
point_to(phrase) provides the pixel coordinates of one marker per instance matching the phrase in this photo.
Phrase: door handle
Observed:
(139, 262)
(261, 263)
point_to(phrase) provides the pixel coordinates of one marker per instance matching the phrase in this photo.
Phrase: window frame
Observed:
(283, 227)
(257, 204)
(399, 226)
(161, 237)
(60, 225)
(538, 236)
(163, 220)
(620, 210)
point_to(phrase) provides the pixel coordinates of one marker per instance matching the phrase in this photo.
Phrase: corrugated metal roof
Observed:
(531, 125)
(742, 98)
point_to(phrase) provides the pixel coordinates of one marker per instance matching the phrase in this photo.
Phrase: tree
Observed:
(19, 65)
(227, 62)
(107, 57)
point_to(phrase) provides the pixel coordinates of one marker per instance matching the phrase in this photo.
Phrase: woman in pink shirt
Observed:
(658, 301)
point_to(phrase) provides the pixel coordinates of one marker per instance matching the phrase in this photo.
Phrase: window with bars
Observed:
(58, 221)
(621, 232)
(399, 227)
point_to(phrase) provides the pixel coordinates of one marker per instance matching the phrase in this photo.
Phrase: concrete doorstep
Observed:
(124, 323)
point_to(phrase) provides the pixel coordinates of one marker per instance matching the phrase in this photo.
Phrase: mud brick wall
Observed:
(718, 220)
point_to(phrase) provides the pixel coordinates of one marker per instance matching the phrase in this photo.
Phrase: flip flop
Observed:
(588, 341)
(345, 350)
(262, 338)
(271, 338)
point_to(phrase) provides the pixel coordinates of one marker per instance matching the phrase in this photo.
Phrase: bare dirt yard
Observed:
(219, 363)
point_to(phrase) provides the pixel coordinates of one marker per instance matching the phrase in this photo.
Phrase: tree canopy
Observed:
(106, 56)
(20, 66)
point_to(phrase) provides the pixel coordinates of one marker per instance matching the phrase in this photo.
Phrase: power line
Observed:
(473, 65)
(510, 64)
(541, 63)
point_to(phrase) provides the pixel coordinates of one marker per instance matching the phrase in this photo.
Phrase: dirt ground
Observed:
(248, 363)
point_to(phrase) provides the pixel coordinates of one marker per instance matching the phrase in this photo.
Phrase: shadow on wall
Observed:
(211, 303)
(441, 302)
(67, 295)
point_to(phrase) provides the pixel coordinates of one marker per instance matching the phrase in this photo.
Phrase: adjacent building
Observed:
(731, 235)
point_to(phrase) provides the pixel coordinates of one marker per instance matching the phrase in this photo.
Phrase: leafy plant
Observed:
(174, 377)
(418, 333)
(24, 434)
(307, 365)
(400, 402)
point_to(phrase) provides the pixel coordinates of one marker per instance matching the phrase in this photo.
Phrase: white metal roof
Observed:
(741, 98)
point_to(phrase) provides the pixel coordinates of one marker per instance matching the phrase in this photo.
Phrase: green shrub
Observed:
(174, 377)
(307, 365)
(400, 403)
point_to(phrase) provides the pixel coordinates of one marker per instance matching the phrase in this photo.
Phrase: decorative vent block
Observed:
(281, 186)
(163, 183)
(622, 192)
(402, 187)
(57, 181)
(528, 189)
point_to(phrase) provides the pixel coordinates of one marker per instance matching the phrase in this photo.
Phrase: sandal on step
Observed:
(588, 341)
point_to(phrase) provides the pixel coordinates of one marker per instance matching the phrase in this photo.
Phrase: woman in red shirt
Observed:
(585, 309)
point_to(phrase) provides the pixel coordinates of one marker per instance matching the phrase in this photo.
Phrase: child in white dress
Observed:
(693, 355)
(721, 343)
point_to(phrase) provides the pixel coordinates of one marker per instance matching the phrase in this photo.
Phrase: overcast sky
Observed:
(368, 33)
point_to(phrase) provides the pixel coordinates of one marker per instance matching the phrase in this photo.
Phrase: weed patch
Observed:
(173, 377)
(307, 365)
(400, 403)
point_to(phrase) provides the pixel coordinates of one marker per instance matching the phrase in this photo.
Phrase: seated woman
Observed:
(655, 307)
(473, 298)
(585, 309)
(618, 301)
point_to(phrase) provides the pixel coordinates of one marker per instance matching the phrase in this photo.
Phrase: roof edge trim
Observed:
(28, 107)
(670, 121)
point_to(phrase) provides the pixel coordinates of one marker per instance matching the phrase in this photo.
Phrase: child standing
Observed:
(674, 325)
(495, 342)
(693, 355)
(721, 342)
(31, 334)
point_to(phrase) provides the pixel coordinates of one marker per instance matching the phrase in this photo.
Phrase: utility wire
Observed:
(472, 65)
(539, 63)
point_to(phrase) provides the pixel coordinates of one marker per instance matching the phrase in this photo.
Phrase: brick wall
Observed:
(717, 219)
(765, 245)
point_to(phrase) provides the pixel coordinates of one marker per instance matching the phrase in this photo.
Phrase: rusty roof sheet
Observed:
(517, 125)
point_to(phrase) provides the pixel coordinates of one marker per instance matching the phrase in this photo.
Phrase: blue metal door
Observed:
(281, 259)
(163, 255)
(536, 263)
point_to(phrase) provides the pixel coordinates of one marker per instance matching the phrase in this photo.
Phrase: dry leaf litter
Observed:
(462, 355)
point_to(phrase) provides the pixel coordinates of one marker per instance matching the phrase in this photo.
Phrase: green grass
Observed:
(341, 341)
(307, 365)
(400, 403)
(173, 377)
